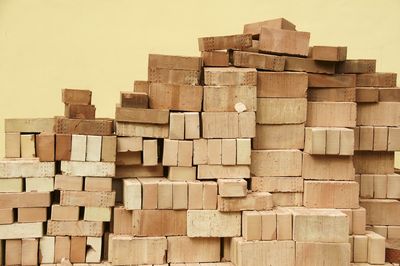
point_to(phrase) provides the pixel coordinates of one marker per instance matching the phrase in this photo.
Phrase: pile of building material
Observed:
(263, 151)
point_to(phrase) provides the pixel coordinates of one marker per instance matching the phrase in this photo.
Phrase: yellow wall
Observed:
(102, 45)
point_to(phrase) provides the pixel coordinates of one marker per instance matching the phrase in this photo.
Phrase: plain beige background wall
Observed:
(102, 45)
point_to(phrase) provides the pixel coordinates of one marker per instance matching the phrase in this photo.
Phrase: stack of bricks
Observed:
(255, 153)
(377, 138)
(58, 176)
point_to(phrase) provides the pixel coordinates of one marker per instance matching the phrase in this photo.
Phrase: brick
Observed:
(322, 253)
(282, 84)
(290, 136)
(232, 187)
(13, 252)
(247, 125)
(230, 76)
(158, 75)
(393, 186)
(80, 111)
(253, 201)
(367, 186)
(141, 130)
(93, 148)
(174, 62)
(393, 139)
(332, 81)
(268, 225)
(141, 86)
(315, 225)
(377, 80)
(200, 151)
(212, 223)
(380, 138)
(29, 250)
(74, 228)
(309, 65)
(185, 153)
(284, 224)
(251, 225)
(380, 186)
(25, 199)
(332, 95)
(220, 124)
(64, 213)
(259, 61)
(31, 215)
(389, 94)
(176, 97)
(181, 173)
(243, 151)
(141, 115)
(28, 146)
(62, 248)
(177, 126)
(63, 147)
(275, 184)
(284, 41)
(368, 162)
(330, 114)
(195, 195)
(134, 100)
(122, 221)
(98, 127)
(45, 147)
(327, 167)
(279, 23)
(189, 250)
(222, 171)
(329, 53)
(11, 185)
(150, 152)
(180, 195)
(367, 95)
(29, 125)
(136, 250)
(78, 148)
(105, 169)
(376, 248)
(192, 125)
(359, 220)
(274, 252)
(78, 249)
(62, 182)
(225, 98)
(215, 58)
(151, 223)
(88, 198)
(132, 194)
(93, 253)
(357, 66)
(281, 111)
(24, 168)
(331, 194)
(210, 192)
(21, 230)
(12, 145)
(238, 41)
(276, 162)
(6, 216)
(76, 96)
(164, 193)
(315, 140)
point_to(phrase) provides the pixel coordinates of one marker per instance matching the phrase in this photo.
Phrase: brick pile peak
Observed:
(261, 151)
